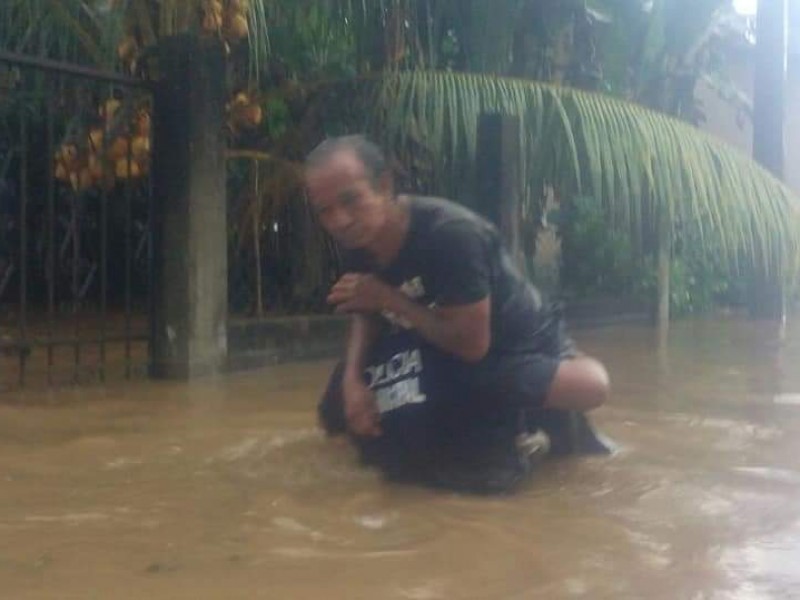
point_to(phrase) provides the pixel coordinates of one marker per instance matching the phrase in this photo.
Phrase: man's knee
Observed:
(598, 384)
(580, 384)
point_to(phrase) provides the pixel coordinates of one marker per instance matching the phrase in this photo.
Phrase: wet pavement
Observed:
(226, 489)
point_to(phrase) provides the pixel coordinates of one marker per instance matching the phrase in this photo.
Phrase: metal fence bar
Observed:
(103, 279)
(50, 264)
(58, 342)
(23, 245)
(65, 222)
(44, 64)
(76, 242)
(151, 271)
(128, 262)
(103, 264)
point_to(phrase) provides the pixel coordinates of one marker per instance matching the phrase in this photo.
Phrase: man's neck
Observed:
(391, 239)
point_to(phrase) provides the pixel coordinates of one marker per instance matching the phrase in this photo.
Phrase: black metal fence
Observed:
(75, 224)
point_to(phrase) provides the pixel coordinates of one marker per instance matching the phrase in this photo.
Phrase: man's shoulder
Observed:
(436, 215)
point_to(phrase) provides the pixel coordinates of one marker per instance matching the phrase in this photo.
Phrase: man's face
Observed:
(349, 207)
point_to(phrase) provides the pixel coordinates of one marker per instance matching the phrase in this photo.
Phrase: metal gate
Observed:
(76, 209)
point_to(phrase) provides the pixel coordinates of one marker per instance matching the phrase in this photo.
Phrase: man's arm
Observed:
(362, 333)
(360, 408)
(458, 261)
(461, 330)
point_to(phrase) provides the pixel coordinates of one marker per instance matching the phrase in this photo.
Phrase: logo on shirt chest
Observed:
(415, 290)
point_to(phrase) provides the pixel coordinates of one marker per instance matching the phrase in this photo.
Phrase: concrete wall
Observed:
(723, 122)
(191, 283)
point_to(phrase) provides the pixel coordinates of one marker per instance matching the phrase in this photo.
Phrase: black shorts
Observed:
(472, 436)
(519, 380)
(522, 378)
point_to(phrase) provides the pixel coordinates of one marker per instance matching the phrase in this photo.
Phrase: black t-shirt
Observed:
(452, 256)
(427, 398)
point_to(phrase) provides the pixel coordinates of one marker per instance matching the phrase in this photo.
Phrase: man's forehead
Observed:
(343, 165)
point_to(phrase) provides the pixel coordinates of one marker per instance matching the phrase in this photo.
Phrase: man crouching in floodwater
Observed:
(456, 375)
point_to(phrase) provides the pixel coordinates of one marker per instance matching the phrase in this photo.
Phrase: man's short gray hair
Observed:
(370, 155)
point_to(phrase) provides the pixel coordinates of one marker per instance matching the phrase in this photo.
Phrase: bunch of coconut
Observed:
(71, 167)
(227, 18)
(112, 152)
(128, 52)
(244, 112)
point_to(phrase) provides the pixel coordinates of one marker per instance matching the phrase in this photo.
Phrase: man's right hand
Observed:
(361, 409)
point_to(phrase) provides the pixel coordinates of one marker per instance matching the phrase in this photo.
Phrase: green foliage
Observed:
(308, 39)
(80, 31)
(278, 117)
(426, 69)
(698, 284)
(633, 161)
(598, 261)
(595, 260)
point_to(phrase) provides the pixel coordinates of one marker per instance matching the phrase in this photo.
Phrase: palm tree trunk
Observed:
(257, 215)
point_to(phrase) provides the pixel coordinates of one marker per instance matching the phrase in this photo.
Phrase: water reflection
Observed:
(226, 489)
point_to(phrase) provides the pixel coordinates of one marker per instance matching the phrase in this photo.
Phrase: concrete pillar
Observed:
(770, 84)
(498, 185)
(767, 293)
(191, 264)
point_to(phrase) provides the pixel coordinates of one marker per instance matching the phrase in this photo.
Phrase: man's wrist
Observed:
(396, 302)
(352, 376)
(387, 299)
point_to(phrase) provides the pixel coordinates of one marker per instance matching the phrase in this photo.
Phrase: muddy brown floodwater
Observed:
(226, 489)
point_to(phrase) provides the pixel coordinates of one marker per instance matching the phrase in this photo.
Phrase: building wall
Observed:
(722, 121)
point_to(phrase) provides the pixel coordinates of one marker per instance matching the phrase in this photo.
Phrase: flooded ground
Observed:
(226, 489)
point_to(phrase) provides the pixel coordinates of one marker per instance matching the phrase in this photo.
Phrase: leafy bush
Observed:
(598, 260)
(595, 259)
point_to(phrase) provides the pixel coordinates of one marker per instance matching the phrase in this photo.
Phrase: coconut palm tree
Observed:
(73, 30)
(632, 160)
(433, 66)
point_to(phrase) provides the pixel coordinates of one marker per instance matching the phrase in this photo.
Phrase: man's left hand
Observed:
(358, 293)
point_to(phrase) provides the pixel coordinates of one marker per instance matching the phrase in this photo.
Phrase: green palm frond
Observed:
(74, 30)
(634, 161)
